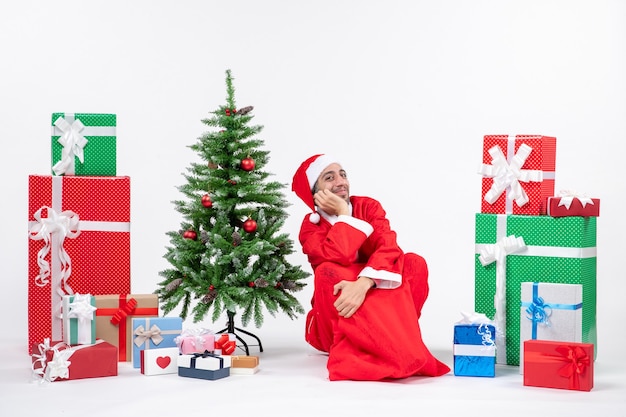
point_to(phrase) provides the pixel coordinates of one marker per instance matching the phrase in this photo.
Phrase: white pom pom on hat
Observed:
(305, 177)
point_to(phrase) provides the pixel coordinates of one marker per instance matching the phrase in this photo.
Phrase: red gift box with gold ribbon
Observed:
(518, 173)
(557, 364)
(114, 314)
(79, 242)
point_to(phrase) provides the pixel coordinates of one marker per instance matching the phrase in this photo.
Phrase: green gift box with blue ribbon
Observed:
(511, 249)
(84, 144)
(550, 312)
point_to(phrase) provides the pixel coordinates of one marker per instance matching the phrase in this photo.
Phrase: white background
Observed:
(401, 92)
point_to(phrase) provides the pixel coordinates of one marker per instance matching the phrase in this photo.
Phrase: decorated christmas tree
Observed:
(230, 254)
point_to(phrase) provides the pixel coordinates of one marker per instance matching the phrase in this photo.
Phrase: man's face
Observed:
(335, 179)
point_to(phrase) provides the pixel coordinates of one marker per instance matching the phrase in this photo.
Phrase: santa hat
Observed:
(305, 178)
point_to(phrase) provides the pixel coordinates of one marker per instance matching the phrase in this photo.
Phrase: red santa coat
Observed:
(382, 340)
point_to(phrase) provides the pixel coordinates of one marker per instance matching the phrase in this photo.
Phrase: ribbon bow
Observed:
(567, 196)
(226, 344)
(123, 312)
(81, 308)
(142, 335)
(508, 175)
(538, 311)
(58, 367)
(577, 360)
(64, 225)
(73, 143)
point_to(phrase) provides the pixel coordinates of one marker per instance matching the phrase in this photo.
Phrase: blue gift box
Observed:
(204, 366)
(154, 333)
(474, 350)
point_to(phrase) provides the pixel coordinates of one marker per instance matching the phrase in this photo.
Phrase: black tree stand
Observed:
(230, 328)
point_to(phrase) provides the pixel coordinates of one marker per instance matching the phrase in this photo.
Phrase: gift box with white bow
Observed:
(474, 346)
(84, 144)
(154, 333)
(196, 340)
(79, 242)
(518, 173)
(204, 366)
(159, 361)
(114, 316)
(550, 312)
(58, 361)
(79, 319)
(512, 249)
(570, 203)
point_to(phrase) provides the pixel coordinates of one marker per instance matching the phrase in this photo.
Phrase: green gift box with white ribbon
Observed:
(84, 144)
(511, 249)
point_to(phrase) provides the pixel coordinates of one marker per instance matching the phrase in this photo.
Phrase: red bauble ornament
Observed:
(190, 234)
(206, 201)
(251, 284)
(247, 164)
(249, 226)
(211, 287)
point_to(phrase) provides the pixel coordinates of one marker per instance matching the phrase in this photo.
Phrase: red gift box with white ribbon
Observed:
(571, 203)
(518, 173)
(58, 361)
(79, 242)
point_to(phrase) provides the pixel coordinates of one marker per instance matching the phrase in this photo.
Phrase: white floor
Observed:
(292, 382)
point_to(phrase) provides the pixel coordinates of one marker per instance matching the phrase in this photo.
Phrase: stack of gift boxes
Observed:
(535, 267)
(82, 317)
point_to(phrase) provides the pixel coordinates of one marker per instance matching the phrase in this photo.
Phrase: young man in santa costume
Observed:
(368, 294)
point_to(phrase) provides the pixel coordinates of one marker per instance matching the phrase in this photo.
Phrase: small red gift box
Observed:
(570, 204)
(518, 173)
(225, 344)
(79, 242)
(58, 361)
(557, 364)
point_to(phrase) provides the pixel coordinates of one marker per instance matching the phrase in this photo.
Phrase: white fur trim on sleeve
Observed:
(359, 224)
(383, 279)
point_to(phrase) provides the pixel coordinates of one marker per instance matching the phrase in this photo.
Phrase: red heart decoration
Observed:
(163, 361)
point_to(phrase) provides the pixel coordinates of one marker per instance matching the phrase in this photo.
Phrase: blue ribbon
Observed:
(539, 311)
(205, 354)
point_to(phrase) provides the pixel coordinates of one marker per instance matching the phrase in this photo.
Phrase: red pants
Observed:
(382, 340)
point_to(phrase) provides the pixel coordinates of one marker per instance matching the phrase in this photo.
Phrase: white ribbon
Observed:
(81, 309)
(58, 227)
(567, 196)
(196, 336)
(73, 143)
(507, 175)
(497, 253)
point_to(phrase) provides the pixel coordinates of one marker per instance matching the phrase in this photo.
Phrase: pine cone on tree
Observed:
(261, 283)
(289, 285)
(236, 238)
(244, 110)
(210, 296)
(204, 237)
(172, 285)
